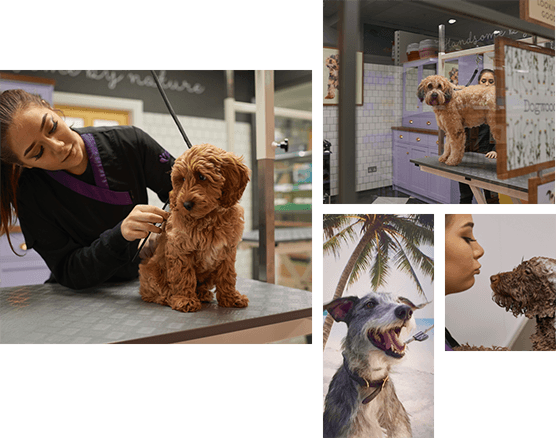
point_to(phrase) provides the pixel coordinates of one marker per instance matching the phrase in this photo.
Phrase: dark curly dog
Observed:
(530, 290)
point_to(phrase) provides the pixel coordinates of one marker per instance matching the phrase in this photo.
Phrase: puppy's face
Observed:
(332, 62)
(435, 90)
(528, 289)
(204, 178)
(377, 322)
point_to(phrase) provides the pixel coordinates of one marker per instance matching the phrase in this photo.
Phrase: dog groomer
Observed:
(480, 142)
(80, 194)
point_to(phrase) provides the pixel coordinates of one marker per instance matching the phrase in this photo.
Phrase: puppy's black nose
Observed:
(434, 95)
(188, 205)
(403, 312)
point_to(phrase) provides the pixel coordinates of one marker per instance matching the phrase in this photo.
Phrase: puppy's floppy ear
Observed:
(340, 309)
(448, 94)
(236, 174)
(421, 92)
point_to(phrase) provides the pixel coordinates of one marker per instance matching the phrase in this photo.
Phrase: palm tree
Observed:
(380, 238)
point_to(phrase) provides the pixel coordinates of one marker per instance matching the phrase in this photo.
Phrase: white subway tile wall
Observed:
(381, 109)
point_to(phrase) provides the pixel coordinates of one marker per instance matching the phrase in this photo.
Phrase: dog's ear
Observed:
(448, 94)
(236, 175)
(409, 303)
(340, 309)
(421, 92)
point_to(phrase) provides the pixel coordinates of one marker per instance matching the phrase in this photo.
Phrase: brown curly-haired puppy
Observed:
(530, 290)
(455, 109)
(197, 249)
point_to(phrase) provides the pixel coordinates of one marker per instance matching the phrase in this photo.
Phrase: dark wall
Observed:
(191, 93)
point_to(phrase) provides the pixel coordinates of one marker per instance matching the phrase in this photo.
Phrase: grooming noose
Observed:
(184, 135)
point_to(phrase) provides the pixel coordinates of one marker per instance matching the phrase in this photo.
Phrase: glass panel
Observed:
(411, 84)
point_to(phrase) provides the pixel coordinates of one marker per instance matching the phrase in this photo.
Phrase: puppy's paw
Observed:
(184, 304)
(233, 300)
(443, 158)
(204, 294)
(453, 161)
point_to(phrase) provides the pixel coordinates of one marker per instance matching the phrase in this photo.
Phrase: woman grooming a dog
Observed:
(480, 143)
(80, 194)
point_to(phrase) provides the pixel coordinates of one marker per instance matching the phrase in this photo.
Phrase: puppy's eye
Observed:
(430, 86)
(371, 304)
(528, 271)
(202, 177)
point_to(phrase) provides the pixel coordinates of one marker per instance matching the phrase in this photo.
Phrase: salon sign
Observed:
(538, 11)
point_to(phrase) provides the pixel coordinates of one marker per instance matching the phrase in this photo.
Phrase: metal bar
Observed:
(348, 45)
(229, 110)
(172, 113)
(264, 96)
(245, 107)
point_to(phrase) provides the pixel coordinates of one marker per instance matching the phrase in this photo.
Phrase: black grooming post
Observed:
(172, 113)
(184, 135)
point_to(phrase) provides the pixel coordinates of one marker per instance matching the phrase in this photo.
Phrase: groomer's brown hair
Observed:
(11, 101)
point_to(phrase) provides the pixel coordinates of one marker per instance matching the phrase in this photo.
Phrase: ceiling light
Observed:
(452, 20)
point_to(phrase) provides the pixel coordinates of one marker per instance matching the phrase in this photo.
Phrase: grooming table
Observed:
(115, 313)
(479, 173)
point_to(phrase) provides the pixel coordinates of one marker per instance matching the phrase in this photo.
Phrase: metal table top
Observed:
(115, 313)
(476, 166)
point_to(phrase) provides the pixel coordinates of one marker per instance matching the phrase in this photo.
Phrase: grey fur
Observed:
(345, 415)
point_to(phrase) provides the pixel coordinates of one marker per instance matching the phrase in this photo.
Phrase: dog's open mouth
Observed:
(388, 341)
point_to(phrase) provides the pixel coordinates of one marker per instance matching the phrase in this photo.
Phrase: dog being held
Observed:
(361, 399)
(455, 109)
(197, 248)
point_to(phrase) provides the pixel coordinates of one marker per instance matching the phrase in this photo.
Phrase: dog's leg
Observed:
(183, 282)
(204, 286)
(447, 144)
(225, 281)
(456, 140)
(392, 416)
(153, 286)
(331, 91)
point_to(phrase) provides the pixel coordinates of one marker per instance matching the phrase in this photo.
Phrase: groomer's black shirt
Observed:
(79, 238)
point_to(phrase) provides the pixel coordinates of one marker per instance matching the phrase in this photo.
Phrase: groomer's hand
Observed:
(141, 220)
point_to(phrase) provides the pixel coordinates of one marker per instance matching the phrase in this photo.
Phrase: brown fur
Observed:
(197, 249)
(455, 109)
(333, 65)
(530, 290)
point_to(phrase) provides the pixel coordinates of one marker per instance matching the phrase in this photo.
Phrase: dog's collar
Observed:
(378, 384)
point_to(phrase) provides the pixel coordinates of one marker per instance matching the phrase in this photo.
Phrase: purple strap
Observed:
(101, 192)
(98, 170)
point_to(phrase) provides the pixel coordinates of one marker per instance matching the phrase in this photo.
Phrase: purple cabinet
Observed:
(19, 271)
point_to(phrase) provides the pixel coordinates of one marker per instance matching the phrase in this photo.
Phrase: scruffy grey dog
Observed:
(361, 400)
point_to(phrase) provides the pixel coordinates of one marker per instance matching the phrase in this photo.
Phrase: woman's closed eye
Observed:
(54, 126)
(469, 239)
(40, 154)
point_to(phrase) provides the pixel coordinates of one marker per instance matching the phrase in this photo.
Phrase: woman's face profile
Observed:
(462, 253)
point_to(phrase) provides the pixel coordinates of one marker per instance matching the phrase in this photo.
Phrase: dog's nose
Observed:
(434, 95)
(494, 278)
(188, 205)
(403, 312)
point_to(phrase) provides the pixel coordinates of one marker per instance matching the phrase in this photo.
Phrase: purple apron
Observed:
(101, 191)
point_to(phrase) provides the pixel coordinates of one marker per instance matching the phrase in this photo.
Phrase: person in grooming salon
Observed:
(462, 254)
(80, 194)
